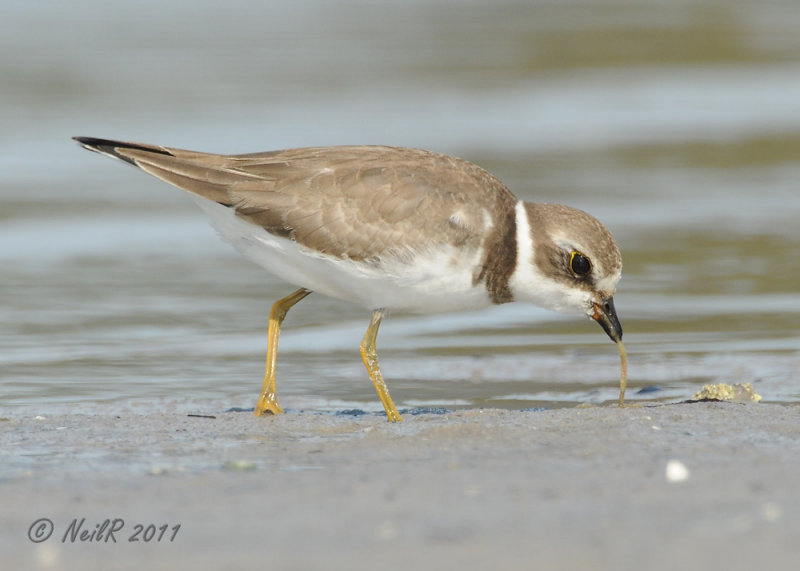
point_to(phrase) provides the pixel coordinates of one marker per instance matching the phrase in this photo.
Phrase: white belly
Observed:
(431, 282)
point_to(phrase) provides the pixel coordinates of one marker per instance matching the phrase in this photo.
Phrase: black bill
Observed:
(606, 316)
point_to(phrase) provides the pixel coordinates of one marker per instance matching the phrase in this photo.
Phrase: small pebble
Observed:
(677, 471)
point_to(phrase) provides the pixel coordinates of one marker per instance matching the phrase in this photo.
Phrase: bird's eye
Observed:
(579, 264)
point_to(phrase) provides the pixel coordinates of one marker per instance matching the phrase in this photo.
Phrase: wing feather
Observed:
(359, 202)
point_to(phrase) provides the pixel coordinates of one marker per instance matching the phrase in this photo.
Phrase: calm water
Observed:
(677, 124)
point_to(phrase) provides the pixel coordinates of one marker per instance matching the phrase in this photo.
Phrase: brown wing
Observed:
(356, 202)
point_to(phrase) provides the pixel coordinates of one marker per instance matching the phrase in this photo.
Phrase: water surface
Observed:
(677, 125)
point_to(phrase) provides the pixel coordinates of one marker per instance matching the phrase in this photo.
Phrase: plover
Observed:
(391, 228)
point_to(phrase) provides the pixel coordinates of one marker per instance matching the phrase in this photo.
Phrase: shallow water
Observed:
(677, 125)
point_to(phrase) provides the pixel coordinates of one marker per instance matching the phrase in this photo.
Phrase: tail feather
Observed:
(194, 172)
(109, 148)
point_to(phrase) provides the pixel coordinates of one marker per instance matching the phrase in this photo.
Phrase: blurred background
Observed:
(677, 124)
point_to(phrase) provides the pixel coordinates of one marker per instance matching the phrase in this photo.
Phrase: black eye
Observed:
(579, 264)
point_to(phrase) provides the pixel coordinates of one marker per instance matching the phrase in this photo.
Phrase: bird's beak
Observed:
(605, 314)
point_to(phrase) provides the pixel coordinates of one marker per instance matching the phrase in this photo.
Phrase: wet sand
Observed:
(579, 488)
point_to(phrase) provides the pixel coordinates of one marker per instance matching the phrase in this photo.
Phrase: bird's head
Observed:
(567, 261)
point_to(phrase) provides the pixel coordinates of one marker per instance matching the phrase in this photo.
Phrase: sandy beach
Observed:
(689, 486)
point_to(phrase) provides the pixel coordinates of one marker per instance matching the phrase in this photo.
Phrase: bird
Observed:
(390, 229)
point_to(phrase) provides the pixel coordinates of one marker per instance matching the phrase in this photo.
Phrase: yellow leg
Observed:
(369, 354)
(268, 400)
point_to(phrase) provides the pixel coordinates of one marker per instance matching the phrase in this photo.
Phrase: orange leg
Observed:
(268, 399)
